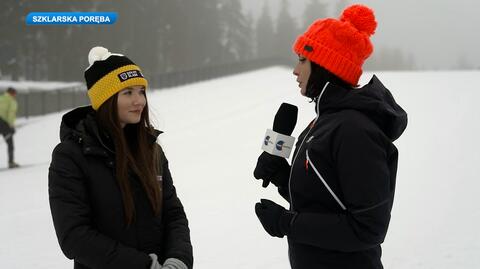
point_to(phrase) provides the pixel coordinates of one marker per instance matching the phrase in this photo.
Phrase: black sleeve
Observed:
(177, 233)
(283, 176)
(71, 212)
(283, 191)
(362, 168)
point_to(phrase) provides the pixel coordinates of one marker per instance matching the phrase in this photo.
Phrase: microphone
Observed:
(279, 141)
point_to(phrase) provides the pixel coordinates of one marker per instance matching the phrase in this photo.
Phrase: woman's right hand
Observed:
(271, 168)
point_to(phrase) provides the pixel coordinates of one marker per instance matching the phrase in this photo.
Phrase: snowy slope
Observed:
(213, 132)
(38, 85)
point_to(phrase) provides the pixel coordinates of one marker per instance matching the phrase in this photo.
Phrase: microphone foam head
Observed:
(285, 119)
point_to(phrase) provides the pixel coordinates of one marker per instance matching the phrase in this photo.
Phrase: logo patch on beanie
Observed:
(130, 74)
(308, 48)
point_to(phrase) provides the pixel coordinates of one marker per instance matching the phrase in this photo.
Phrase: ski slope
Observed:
(213, 132)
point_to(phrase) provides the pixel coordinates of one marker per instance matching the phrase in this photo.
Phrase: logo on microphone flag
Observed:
(279, 145)
(267, 140)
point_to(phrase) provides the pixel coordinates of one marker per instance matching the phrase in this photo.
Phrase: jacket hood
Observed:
(72, 125)
(373, 99)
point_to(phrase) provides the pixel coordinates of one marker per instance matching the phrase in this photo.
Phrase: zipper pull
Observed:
(306, 165)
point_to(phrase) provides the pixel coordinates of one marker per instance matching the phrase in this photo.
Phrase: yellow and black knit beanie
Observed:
(108, 74)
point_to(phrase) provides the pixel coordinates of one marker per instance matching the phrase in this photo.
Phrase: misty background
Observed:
(174, 36)
(183, 41)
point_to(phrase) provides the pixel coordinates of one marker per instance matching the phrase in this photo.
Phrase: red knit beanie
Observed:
(340, 46)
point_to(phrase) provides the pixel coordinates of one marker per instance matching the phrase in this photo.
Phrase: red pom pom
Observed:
(361, 17)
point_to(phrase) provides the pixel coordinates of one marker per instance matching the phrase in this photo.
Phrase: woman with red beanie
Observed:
(341, 182)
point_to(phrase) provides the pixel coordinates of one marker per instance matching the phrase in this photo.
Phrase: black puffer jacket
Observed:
(87, 208)
(348, 149)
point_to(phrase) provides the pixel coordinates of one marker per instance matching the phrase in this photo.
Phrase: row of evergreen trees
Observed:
(160, 36)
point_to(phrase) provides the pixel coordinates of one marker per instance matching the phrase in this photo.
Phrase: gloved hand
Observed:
(173, 263)
(275, 219)
(155, 264)
(271, 168)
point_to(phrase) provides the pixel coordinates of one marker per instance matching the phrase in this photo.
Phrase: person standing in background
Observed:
(8, 114)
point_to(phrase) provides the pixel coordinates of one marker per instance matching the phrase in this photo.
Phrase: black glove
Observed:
(271, 168)
(275, 219)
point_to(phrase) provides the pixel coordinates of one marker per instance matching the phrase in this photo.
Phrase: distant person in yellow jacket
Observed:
(8, 114)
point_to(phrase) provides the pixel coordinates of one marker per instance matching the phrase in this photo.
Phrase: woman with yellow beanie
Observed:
(341, 182)
(111, 193)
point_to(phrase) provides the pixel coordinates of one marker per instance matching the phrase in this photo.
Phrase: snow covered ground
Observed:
(213, 132)
(39, 85)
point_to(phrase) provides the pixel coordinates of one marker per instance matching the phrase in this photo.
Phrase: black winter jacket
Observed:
(348, 149)
(87, 208)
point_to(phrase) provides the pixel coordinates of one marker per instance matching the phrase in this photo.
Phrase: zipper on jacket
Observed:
(325, 183)
(301, 144)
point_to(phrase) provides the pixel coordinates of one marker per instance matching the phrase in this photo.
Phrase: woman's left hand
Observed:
(155, 264)
(172, 263)
(275, 219)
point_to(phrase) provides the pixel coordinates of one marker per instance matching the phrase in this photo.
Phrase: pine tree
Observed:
(265, 34)
(286, 32)
(195, 36)
(314, 10)
(142, 24)
(237, 32)
(57, 46)
(11, 36)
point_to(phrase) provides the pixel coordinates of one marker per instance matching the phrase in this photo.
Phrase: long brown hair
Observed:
(134, 152)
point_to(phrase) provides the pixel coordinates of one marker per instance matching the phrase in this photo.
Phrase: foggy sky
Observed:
(436, 32)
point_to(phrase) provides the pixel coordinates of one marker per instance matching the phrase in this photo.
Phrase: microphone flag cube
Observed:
(277, 144)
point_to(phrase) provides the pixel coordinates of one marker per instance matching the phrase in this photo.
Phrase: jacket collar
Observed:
(81, 126)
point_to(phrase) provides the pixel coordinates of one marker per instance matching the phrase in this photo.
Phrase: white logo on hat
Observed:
(129, 74)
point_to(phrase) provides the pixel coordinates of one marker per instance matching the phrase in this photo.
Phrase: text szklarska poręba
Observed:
(71, 19)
